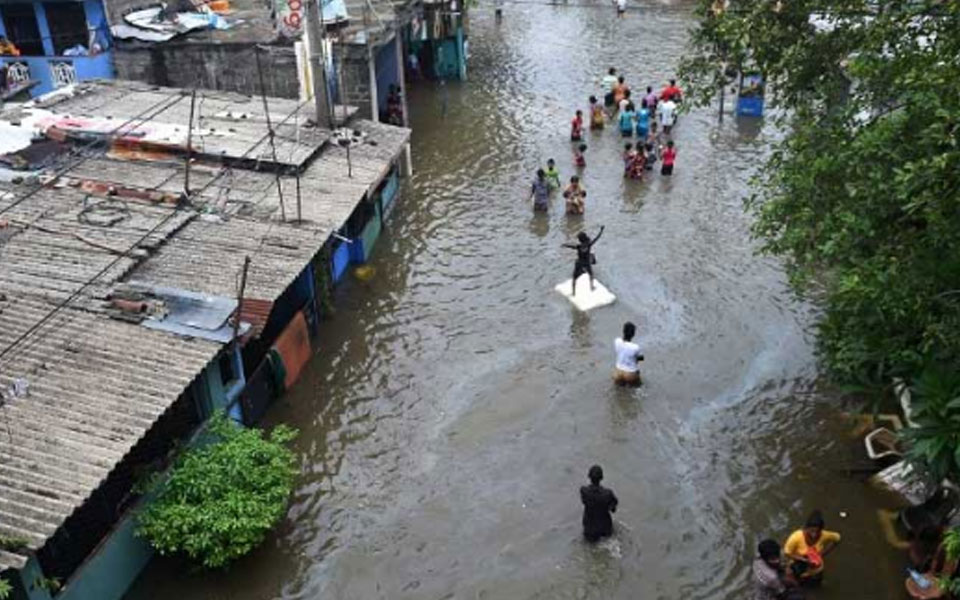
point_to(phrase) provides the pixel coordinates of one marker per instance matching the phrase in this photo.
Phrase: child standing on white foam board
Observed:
(585, 257)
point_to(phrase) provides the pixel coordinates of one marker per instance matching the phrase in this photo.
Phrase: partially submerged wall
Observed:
(226, 67)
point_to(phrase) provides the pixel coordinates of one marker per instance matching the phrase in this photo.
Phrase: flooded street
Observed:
(457, 400)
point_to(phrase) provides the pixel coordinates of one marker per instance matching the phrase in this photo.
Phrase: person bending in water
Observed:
(585, 258)
(598, 504)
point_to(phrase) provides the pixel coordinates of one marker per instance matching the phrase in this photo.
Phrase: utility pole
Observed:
(315, 37)
(240, 293)
(371, 64)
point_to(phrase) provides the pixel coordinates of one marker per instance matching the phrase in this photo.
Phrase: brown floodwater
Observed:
(457, 401)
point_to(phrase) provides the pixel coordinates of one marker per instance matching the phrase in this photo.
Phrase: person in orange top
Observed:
(807, 547)
(7, 48)
(619, 91)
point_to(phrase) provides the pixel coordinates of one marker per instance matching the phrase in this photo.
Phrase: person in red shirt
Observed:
(669, 157)
(576, 127)
(671, 92)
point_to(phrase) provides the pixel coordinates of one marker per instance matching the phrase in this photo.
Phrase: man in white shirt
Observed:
(627, 371)
(668, 114)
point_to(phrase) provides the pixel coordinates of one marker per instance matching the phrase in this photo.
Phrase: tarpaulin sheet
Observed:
(293, 346)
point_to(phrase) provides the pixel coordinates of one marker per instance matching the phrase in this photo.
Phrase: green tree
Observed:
(5, 589)
(862, 196)
(222, 498)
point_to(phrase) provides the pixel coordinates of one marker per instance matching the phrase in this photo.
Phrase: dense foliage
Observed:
(862, 197)
(222, 498)
(5, 589)
(951, 541)
(935, 442)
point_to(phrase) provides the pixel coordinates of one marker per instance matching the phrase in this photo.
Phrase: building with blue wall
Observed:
(60, 43)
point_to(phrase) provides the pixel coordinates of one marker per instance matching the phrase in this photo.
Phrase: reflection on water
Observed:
(457, 400)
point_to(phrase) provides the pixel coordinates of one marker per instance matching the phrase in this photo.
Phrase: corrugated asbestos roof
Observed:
(207, 256)
(330, 183)
(94, 385)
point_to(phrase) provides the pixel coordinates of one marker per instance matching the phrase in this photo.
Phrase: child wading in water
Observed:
(585, 257)
(633, 161)
(574, 195)
(636, 166)
(596, 114)
(669, 157)
(628, 157)
(651, 156)
(576, 127)
(578, 159)
(553, 175)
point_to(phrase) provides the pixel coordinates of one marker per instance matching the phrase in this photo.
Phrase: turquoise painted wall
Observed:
(27, 589)
(362, 245)
(449, 57)
(114, 566)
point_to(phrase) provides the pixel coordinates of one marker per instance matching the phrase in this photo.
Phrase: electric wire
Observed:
(36, 326)
(172, 100)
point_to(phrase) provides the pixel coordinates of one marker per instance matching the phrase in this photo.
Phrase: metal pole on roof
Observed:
(243, 288)
(273, 143)
(318, 64)
(299, 215)
(186, 173)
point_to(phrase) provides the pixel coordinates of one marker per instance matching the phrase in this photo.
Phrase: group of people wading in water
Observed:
(653, 144)
(777, 574)
(776, 577)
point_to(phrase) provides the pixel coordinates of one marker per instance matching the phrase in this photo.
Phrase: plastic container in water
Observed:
(922, 581)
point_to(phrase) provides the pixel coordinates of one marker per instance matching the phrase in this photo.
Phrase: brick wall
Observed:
(227, 67)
